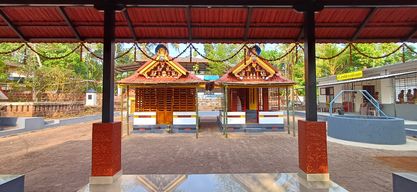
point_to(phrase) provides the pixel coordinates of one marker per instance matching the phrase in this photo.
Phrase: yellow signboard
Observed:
(351, 75)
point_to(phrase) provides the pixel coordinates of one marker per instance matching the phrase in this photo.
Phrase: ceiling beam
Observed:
(211, 25)
(61, 10)
(189, 20)
(368, 17)
(12, 26)
(130, 25)
(242, 3)
(248, 21)
(200, 40)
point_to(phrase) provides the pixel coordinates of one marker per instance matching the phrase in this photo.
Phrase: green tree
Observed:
(221, 52)
(332, 66)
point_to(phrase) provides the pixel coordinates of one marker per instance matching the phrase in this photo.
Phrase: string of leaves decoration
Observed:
(191, 46)
(101, 58)
(171, 59)
(410, 48)
(278, 58)
(336, 55)
(13, 50)
(91, 52)
(218, 60)
(125, 53)
(376, 57)
(53, 58)
(331, 57)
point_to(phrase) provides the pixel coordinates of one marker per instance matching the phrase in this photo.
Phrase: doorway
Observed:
(370, 89)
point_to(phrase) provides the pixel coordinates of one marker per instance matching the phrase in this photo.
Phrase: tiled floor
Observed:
(59, 159)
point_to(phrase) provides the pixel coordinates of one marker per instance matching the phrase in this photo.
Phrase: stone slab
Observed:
(272, 182)
(12, 183)
(404, 182)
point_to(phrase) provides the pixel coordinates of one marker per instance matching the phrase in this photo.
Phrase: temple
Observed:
(252, 95)
(165, 95)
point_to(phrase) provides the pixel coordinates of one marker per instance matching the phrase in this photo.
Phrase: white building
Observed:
(384, 83)
(91, 98)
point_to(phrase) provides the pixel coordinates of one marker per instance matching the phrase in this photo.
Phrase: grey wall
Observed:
(405, 111)
(22, 122)
(367, 130)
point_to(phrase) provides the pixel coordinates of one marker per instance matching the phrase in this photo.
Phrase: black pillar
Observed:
(108, 64)
(310, 65)
(308, 9)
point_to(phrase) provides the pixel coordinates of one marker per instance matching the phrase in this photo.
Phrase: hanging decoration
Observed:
(152, 59)
(135, 47)
(375, 57)
(334, 56)
(280, 57)
(13, 50)
(218, 60)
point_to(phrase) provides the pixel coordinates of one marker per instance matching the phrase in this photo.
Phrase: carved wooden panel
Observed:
(165, 99)
(253, 72)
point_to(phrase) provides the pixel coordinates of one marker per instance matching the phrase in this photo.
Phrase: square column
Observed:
(106, 153)
(312, 150)
(106, 139)
(312, 135)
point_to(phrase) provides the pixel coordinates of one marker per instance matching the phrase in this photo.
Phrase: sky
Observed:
(200, 47)
(174, 52)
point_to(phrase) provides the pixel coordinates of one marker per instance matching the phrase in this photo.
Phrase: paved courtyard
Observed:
(58, 159)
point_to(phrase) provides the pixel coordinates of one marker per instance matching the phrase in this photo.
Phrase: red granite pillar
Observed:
(106, 152)
(312, 149)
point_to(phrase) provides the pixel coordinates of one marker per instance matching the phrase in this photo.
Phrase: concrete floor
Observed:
(59, 159)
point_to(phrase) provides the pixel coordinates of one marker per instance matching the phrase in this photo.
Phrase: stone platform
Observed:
(215, 182)
(12, 183)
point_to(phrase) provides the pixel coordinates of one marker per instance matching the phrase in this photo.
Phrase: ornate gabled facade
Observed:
(161, 70)
(252, 92)
(254, 70)
(165, 93)
(162, 67)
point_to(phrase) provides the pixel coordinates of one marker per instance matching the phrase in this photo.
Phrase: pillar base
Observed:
(314, 176)
(312, 149)
(105, 179)
(106, 152)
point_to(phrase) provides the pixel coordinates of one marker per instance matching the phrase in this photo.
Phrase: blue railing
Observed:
(365, 94)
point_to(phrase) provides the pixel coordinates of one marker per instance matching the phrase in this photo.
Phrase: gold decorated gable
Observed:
(253, 68)
(162, 67)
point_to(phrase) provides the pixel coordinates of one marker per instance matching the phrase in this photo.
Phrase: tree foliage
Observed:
(82, 70)
(220, 52)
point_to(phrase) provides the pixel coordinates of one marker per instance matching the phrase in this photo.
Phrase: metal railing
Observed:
(365, 94)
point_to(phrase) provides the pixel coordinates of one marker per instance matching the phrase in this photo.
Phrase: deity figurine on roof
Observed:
(161, 52)
(254, 50)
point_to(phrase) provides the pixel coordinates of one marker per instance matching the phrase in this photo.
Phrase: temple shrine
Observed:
(252, 95)
(165, 95)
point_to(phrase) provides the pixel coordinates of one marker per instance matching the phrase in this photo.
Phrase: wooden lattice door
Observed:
(164, 101)
(164, 106)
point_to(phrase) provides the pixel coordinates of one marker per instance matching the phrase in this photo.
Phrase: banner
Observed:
(351, 75)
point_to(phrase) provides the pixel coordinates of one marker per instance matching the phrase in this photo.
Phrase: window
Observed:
(405, 82)
(327, 91)
(90, 97)
(322, 91)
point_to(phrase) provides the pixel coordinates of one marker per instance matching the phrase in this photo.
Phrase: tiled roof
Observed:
(211, 25)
